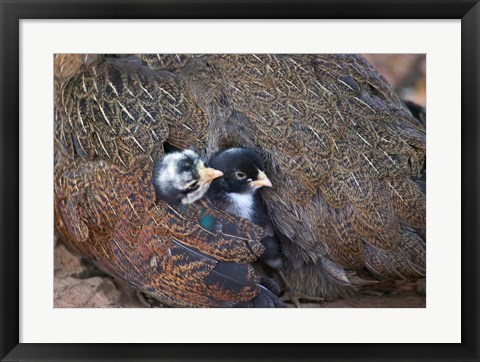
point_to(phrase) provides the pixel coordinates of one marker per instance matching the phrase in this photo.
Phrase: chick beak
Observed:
(208, 174)
(262, 180)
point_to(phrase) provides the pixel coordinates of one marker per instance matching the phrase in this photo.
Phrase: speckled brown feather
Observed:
(341, 149)
(154, 247)
(108, 131)
(339, 143)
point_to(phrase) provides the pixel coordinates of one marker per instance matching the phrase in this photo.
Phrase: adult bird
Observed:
(345, 154)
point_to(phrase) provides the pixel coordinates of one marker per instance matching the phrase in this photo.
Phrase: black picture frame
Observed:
(13, 11)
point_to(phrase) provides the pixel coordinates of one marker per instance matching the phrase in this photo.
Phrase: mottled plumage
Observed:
(182, 178)
(346, 156)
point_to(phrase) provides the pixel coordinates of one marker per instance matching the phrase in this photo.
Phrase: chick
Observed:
(236, 193)
(182, 178)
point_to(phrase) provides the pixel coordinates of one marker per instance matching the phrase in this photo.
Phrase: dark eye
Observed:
(193, 186)
(240, 175)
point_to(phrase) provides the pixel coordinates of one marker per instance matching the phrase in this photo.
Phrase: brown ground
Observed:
(79, 285)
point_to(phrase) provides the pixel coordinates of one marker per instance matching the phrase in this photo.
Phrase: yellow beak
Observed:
(261, 181)
(208, 174)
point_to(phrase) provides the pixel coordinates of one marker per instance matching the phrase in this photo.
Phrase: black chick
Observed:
(236, 193)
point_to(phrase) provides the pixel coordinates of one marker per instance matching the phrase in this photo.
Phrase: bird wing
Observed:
(344, 154)
(119, 108)
(110, 123)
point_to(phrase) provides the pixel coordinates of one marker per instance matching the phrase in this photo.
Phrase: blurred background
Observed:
(405, 72)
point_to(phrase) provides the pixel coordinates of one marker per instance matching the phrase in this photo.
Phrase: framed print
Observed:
(245, 157)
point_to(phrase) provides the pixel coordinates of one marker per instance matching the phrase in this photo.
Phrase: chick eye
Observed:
(240, 175)
(193, 186)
